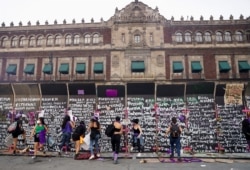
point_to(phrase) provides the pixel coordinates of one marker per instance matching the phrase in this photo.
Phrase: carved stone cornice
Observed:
(137, 12)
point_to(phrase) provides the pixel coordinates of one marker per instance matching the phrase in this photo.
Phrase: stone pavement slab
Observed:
(55, 163)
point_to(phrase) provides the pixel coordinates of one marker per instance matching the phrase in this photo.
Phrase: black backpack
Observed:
(80, 130)
(110, 130)
(175, 130)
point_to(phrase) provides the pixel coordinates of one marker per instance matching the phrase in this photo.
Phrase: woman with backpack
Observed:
(79, 132)
(175, 131)
(67, 126)
(18, 131)
(39, 134)
(95, 133)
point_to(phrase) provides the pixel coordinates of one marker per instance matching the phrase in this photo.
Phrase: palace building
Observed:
(137, 44)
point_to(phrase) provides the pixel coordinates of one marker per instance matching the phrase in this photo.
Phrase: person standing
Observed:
(18, 131)
(39, 134)
(246, 129)
(116, 138)
(67, 126)
(95, 133)
(175, 140)
(137, 138)
(79, 131)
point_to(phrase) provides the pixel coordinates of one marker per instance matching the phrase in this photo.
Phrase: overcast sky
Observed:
(42, 10)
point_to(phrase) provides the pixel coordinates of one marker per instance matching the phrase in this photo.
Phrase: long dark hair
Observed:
(42, 121)
(95, 120)
(65, 120)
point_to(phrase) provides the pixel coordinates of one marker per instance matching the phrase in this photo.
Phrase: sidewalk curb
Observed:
(244, 156)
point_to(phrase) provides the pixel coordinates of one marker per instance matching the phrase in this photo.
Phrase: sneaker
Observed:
(115, 161)
(139, 154)
(131, 149)
(33, 157)
(91, 157)
(98, 155)
(179, 159)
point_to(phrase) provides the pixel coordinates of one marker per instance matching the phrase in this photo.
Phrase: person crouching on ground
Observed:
(95, 134)
(137, 136)
(116, 138)
(39, 133)
(175, 131)
(79, 131)
(67, 127)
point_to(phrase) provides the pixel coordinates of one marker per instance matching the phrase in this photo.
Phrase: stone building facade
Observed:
(136, 44)
(137, 64)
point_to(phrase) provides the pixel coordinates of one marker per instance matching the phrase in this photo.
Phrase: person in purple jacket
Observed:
(67, 126)
(39, 134)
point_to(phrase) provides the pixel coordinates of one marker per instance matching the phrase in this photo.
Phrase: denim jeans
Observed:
(138, 142)
(248, 142)
(94, 142)
(65, 140)
(177, 143)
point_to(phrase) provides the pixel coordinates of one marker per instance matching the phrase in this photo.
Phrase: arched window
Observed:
(76, 39)
(58, 40)
(218, 36)
(207, 37)
(238, 36)
(87, 39)
(4, 41)
(228, 37)
(198, 37)
(22, 42)
(50, 40)
(32, 41)
(68, 40)
(178, 37)
(137, 38)
(39, 41)
(188, 37)
(95, 38)
(14, 42)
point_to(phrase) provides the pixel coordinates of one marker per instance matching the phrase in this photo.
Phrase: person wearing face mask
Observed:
(39, 133)
(67, 127)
